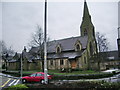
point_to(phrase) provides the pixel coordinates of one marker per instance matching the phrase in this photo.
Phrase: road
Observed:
(6, 81)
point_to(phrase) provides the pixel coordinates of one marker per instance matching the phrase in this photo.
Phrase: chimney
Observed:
(25, 49)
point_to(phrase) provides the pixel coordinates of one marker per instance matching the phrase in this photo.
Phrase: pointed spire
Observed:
(86, 11)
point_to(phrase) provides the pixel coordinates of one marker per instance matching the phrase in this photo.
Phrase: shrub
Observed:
(3, 66)
(68, 70)
(87, 76)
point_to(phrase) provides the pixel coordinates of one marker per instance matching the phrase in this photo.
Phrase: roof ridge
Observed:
(67, 38)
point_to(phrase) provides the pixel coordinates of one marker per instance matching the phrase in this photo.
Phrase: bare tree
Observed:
(102, 44)
(5, 52)
(37, 38)
(38, 41)
(4, 49)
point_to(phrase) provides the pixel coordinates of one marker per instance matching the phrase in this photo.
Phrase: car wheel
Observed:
(42, 81)
(24, 80)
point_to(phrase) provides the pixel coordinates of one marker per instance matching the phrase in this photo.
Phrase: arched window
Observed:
(58, 49)
(61, 62)
(85, 61)
(51, 62)
(78, 47)
(91, 49)
(85, 32)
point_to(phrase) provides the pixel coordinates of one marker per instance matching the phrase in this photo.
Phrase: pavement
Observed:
(8, 80)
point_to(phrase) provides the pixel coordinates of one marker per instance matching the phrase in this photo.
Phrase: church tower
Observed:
(87, 29)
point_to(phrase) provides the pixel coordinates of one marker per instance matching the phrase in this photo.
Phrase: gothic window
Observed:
(58, 49)
(78, 47)
(85, 61)
(85, 32)
(51, 62)
(91, 49)
(61, 62)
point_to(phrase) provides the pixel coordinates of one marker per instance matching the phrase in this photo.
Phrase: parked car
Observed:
(35, 77)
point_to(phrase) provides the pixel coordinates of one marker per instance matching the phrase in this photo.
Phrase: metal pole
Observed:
(118, 32)
(45, 45)
(21, 68)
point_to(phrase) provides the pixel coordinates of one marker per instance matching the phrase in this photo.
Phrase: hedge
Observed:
(86, 76)
(71, 77)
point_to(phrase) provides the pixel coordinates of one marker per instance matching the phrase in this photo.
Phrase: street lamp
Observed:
(45, 45)
(118, 32)
(21, 65)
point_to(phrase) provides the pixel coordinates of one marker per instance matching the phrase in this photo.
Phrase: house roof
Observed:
(69, 55)
(111, 55)
(67, 44)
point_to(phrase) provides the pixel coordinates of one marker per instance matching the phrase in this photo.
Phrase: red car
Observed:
(35, 77)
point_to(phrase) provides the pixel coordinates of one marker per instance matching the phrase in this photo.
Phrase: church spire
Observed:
(86, 14)
(86, 27)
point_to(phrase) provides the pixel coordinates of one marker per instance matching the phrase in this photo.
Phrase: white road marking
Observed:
(6, 82)
(12, 82)
(17, 82)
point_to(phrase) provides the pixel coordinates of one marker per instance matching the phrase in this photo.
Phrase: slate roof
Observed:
(69, 55)
(34, 50)
(111, 55)
(67, 44)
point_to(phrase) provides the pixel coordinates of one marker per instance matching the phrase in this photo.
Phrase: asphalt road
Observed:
(8, 81)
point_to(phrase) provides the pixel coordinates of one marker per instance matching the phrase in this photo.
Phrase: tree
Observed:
(5, 52)
(37, 38)
(102, 44)
(4, 49)
(37, 41)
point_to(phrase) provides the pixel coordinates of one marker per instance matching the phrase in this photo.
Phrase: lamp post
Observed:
(21, 65)
(45, 45)
(118, 32)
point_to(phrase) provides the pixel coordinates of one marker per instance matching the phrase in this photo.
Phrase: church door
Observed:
(73, 64)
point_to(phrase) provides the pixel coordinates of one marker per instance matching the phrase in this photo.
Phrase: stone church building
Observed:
(70, 53)
(73, 52)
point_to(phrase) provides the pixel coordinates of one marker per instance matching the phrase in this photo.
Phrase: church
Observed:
(73, 52)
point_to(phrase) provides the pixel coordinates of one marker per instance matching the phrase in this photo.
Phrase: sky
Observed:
(18, 20)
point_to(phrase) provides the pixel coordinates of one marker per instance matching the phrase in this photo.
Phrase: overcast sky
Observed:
(19, 20)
